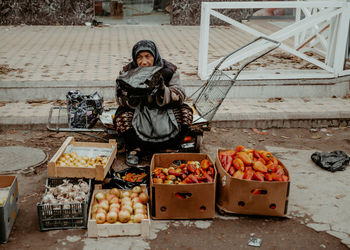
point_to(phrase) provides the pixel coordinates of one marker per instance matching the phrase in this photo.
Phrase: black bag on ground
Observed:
(119, 182)
(83, 110)
(332, 161)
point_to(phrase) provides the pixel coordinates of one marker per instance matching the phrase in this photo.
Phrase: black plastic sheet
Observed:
(83, 110)
(332, 161)
(118, 182)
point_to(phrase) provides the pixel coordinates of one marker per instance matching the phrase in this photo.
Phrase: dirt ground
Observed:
(276, 233)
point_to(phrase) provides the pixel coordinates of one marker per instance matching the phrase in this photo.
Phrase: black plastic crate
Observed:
(59, 216)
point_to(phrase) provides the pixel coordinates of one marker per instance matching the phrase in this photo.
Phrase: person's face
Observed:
(144, 59)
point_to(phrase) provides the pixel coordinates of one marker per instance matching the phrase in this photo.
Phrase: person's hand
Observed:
(161, 88)
(174, 97)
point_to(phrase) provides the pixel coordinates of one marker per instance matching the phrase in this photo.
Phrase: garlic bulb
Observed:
(66, 193)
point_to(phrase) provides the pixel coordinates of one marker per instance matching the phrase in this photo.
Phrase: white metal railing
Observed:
(321, 23)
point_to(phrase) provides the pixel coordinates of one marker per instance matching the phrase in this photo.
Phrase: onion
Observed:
(138, 205)
(100, 218)
(114, 200)
(139, 211)
(127, 198)
(114, 209)
(126, 203)
(109, 197)
(112, 217)
(104, 204)
(127, 208)
(144, 198)
(138, 218)
(101, 210)
(114, 206)
(99, 196)
(124, 216)
(134, 195)
(125, 194)
(136, 200)
(94, 207)
(136, 189)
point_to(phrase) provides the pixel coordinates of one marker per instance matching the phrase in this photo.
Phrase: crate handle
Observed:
(183, 195)
(257, 191)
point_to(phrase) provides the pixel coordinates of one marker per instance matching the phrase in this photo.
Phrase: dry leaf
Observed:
(38, 101)
(275, 99)
(340, 196)
(259, 132)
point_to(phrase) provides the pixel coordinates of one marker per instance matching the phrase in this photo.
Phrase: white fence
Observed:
(322, 26)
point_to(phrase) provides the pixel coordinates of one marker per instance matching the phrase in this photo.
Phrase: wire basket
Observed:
(213, 94)
(214, 91)
(64, 216)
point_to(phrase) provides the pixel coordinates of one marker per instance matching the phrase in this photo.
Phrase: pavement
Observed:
(42, 60)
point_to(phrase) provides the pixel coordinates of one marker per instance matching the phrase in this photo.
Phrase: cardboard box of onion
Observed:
(182, 186)
(251, 182)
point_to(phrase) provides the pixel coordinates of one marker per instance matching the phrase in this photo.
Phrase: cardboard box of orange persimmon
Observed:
(90, 160)
(182, 186)
(251, 182)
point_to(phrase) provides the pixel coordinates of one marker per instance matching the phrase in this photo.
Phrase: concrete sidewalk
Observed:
(44, 62)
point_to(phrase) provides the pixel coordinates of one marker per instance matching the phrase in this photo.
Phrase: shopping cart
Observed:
(216, 88)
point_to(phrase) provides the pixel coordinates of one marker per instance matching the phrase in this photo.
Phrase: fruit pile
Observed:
(134, 177)
(74, 160)
(251, 164)
(185, 173)
(119, 206)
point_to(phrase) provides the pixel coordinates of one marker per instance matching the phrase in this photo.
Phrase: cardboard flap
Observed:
(6, 180)
(165, 160)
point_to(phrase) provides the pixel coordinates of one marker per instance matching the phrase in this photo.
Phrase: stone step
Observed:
(56, 90)
(233, 113)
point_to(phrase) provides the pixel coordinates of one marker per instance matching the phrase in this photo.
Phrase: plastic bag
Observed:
(333, 161)
(120, 183)
(83, 110)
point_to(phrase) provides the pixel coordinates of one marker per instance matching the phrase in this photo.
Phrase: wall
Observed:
(46, 12)
(188, 12)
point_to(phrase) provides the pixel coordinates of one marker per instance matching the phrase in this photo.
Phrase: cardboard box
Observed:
(200, 203)
(118, 229)
(98, 173)
(235, 195)
(9, 210)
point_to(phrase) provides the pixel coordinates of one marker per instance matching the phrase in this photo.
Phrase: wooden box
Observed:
(118, 229)
(98, 173)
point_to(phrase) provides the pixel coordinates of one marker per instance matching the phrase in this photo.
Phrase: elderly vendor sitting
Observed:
(152, 114)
